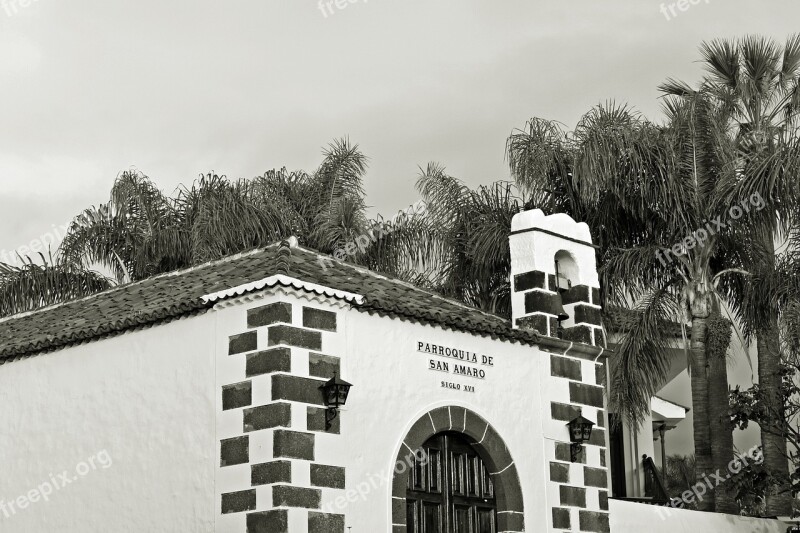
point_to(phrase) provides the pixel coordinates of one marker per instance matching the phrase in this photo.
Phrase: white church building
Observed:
(200, 401)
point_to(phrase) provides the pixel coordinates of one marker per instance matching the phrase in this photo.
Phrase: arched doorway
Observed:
(461, 432)
(450, 489)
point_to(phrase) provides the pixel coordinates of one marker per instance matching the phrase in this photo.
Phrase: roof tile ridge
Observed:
(372, 273)
(116, 288)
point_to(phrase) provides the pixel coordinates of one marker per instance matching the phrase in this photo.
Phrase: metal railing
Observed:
(655, 493)
(653, 485)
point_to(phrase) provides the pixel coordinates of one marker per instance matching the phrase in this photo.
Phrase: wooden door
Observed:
(452, 491)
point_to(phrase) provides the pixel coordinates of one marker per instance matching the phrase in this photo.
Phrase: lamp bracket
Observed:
(330, 415)
(575, 451)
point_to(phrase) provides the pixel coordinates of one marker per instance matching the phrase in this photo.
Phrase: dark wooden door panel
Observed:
(432, 517)
(462, 522)
(412, 516)
(486, 521)
(452, 492)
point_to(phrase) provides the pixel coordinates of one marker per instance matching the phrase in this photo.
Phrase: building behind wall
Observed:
(203, 389)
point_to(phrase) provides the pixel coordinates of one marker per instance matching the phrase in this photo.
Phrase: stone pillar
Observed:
(577, 493)
(271, 417)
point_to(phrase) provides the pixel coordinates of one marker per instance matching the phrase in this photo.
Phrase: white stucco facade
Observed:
(628, 516)
(394, 385)
(129, 420)
(148, 403)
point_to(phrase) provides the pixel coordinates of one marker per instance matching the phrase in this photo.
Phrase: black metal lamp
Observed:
(335, 393)
(580, 431)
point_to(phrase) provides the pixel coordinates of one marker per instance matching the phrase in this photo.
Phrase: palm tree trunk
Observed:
(773, 440)
(702, 431)
(772, 436)
(719, 419)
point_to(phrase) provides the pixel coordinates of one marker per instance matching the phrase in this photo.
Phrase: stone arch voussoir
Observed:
(489, 444)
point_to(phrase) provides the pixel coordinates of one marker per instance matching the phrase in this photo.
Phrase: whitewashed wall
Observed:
(141, 405)
(627, 517)
(393, 387)
(232, 319)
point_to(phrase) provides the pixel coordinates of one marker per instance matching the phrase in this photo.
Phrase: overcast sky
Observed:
(178, 88)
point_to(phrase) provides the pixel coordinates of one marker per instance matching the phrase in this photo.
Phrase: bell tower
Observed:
(555, 290)
(554, 285)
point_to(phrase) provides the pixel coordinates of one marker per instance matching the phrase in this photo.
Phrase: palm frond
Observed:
(34, 285)
(722, 62)
(641, 363)
(541, 164)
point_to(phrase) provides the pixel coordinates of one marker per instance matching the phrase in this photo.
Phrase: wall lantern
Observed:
(334, 393)
(580, 431)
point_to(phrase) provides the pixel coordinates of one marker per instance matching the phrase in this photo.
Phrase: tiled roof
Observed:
(178, 294)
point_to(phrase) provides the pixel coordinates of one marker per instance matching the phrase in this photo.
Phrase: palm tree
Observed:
(757, 83)
(141, 232)
(138, 233)
(680, 474)
(459, 246)
(644, 189)
(782, 287)
(470, 231)
(33, 285)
